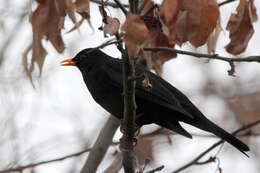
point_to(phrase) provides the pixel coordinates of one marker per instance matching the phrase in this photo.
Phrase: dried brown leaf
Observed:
(76, 25)
(82, 7)
(179, 29)
(38, 52)
(158, 39)
(202, 19)
(189, 20)
(213, 39)
(169, 10)
(70, 10)
(136, 33)
(149, 4)
(112, 26)
(163, 41)
(240, 26)
(48, 19)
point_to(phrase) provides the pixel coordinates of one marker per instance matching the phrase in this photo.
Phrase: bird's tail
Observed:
(213, 128)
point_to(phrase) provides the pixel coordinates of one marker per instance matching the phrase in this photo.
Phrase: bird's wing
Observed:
(157, 93)
(183, 100)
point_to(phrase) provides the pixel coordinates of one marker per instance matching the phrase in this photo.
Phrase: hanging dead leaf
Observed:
(38, 52)
(76, 26)
(112, 26)
(202, 19)
(148, 5)
(240, 26)
(169, 10)
(48, 19)
(178, 31)
(70, 10)
(189, 20)
(136, 33)
(82, 7)
(163, 41)
(213, 38)
(158, 39)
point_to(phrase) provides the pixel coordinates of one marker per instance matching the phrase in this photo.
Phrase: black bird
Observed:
(161, 103)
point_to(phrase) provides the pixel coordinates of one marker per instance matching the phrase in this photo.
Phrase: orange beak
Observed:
(67, 62)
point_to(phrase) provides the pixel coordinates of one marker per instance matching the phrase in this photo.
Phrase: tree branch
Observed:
(128, 139)
(231, 61)
(121, 6)
(225, 2)
(32, 165)
(101, 145)
(156, 169)
(195, 160)
(111, 4)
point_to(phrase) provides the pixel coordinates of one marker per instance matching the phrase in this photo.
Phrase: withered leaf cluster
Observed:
(241, 27)
(47, 22)
(174, 22)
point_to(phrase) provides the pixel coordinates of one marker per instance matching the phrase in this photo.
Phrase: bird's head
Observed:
(84, 59)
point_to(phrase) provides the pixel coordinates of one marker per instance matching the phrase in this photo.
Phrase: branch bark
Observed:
(101, 145)
(32, 165)
(128, 125)
(231, 61)
(127, 141)
(195, 160)
(114, 5)
(225, 2)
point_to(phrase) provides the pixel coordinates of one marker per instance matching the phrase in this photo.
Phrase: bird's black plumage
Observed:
(161, 104)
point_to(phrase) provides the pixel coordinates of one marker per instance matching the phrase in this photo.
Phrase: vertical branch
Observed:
(133, 6)
(101, 145)
(127, 141)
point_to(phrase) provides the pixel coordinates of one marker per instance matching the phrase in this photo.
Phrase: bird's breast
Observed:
(106, 95)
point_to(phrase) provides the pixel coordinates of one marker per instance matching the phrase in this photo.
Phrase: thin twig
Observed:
(109, 42)
(111, 4)
(196, 159)
(209, 160)
(225, 2)
(201, 55)
(121, 6)
(101, 145)
(156, 169)
(231, 61)
(32, 165)
(149, 11)
(142, 6)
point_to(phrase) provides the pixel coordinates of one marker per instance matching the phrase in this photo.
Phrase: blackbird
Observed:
(159, 102)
